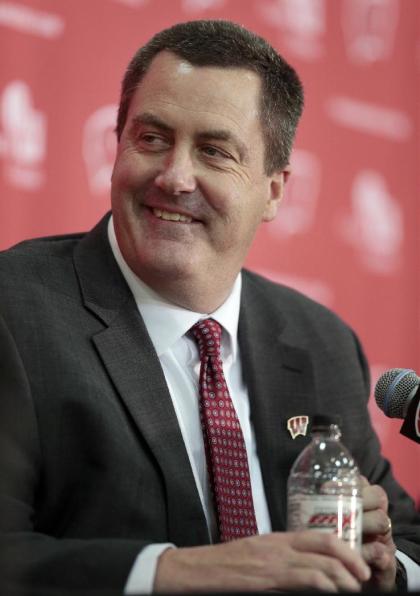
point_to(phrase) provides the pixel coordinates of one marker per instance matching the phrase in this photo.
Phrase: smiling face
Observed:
(188, 187)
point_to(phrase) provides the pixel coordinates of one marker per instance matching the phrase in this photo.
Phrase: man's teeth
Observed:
(171, 216)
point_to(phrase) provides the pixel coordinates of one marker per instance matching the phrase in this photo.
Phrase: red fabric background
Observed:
(347, 232)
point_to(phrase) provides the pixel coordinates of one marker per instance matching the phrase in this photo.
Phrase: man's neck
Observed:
(190, 294)
(198, 295)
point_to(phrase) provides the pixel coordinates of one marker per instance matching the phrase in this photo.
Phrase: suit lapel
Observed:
(280, 383)
(131, 361)
(278, 376)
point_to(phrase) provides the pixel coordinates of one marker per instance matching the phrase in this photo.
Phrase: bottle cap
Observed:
(324, 421)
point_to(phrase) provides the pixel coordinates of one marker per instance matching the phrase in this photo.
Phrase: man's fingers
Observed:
(378, 548)
(330, 545)
(382, 561)
(376, 522)
(364, 481)
(277, 561)
(301, 579)
(332, 568)
(377, 555)
(374, 497)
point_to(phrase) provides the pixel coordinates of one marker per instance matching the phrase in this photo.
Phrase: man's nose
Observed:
(177, 173)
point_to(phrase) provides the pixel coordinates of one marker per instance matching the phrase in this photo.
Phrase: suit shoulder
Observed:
(31, 255)
(291, 302)
(33, 265)
(59, 246)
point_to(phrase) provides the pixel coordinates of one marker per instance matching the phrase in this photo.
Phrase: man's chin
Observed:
(167, 270)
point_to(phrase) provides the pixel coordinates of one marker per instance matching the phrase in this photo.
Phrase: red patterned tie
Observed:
(227, 460)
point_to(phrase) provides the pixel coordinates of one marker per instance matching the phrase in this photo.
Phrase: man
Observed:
(105, 484)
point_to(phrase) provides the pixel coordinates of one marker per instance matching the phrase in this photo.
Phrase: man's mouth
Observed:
(171, 216)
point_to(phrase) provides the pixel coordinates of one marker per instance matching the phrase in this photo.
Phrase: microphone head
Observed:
(394, 390)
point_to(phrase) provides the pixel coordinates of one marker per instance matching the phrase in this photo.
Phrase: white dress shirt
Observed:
(168, 326)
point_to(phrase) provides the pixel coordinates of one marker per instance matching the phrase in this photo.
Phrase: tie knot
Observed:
(208, 334)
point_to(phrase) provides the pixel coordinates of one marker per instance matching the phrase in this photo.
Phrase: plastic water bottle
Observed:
(324, 488)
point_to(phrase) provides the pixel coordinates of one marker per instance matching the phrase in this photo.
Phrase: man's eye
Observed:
(152, 141)
(214, 152)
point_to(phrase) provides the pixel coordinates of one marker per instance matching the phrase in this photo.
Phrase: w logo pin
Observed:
(297, 425)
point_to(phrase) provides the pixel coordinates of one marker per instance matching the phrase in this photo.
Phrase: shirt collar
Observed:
(166, 322)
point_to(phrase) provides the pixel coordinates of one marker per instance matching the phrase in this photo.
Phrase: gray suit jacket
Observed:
(92, 462)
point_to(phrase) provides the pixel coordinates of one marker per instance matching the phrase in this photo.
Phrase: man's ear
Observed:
(277, 183)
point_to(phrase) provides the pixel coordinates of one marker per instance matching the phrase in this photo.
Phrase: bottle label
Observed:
(339, 514)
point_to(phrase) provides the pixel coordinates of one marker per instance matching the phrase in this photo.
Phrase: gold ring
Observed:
(389, 528)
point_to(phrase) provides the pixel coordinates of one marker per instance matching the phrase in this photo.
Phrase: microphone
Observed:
(397, 394)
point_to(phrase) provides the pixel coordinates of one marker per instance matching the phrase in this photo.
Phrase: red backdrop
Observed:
(347, 232)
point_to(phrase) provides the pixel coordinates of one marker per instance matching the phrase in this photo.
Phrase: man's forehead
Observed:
(172, 77)
(183, 66)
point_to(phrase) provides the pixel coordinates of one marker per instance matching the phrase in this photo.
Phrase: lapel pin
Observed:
(297, 425)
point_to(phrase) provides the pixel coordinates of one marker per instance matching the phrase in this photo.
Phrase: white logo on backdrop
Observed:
(375, 225)
(199, 5)
(302, 24)
(370, 118)
(297, 211)
(23, 137)
(29, 20)
(99, 146)
(312, 287)
(369, 28)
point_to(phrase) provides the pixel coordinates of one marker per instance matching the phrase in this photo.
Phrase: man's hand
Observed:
(378, 545)
(283, 561)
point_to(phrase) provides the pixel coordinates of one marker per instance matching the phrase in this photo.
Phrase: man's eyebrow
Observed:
(151, 120)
